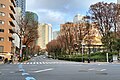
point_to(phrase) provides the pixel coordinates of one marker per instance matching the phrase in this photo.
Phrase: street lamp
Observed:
(87, 20)
(82, 51)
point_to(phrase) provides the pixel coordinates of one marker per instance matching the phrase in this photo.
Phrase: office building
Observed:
(22, 5)
(118, 1)
(32, 16)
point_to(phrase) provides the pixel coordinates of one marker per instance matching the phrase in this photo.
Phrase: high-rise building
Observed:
(22, 5)
(31, 15)
(78, 18)
(56, 34)
(7, 25)
(45, 34)
(118, 1)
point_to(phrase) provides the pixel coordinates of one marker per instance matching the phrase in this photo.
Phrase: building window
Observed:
(1, 30)
(1, 48)
(1, 39)
(2, 14)
(2, 22)
(2, 6)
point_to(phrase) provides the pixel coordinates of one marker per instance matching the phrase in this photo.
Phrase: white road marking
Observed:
(30, 78)
(34, 63)
(43, 62)
(25, 74)
(28, 63)
(43, 70)
(21, 70)
(4, 69)
(99, 64)
(37, 62)
(31, 63)
(102, 69)
(40, 62)
(91, 69)
(12, 72)
(48, 63)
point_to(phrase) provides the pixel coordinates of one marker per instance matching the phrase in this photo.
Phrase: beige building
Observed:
(7, 25)
(45, 35)
(79, 33)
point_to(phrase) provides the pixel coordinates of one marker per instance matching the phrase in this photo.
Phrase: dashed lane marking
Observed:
(43, 70)
(102, 69)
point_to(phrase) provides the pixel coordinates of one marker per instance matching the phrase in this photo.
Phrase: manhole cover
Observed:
(102, 73)
(82, 71)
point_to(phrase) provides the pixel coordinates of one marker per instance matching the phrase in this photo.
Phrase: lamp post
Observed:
(82, 51)
(87, 20)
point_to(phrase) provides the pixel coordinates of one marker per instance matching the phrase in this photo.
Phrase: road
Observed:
(40, 68)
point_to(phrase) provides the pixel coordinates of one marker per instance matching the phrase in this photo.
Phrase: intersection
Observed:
(39, 68)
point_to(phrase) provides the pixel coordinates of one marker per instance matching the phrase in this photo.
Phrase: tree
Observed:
(28, 33)
(54, 48)
(116, 46)
(68, 34)
(106, 16)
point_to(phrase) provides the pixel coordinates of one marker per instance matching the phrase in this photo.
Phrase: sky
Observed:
(58, 12)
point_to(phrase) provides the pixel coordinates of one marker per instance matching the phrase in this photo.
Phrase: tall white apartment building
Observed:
(45, 35)
(78, 18)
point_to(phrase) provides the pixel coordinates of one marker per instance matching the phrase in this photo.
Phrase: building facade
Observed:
(22, 5)
(78, 18)
(78, 33)
(31, 15)
(56, 34)
(118, 1)
(16, 40)
(45, 35)
(7, 25)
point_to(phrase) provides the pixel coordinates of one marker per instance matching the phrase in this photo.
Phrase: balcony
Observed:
(11, 7)
(12, 24)
(13, 2)
(12, 30)
(12, 16)
(11, 38)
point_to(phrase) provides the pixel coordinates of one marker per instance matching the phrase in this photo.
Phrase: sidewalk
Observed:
(1, 62)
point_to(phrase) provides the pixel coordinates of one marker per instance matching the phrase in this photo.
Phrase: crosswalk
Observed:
(44, 63)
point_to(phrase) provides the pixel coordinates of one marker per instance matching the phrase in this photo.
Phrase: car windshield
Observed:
(59, 40)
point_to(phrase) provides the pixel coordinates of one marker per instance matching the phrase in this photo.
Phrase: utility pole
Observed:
(87, 19)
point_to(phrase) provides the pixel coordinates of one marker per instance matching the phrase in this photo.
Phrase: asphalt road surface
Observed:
(41, 68)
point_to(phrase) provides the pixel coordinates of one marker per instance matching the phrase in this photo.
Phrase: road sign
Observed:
(23, 45)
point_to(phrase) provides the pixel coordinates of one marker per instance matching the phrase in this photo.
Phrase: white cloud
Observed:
(59, 11)
(50, 16)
